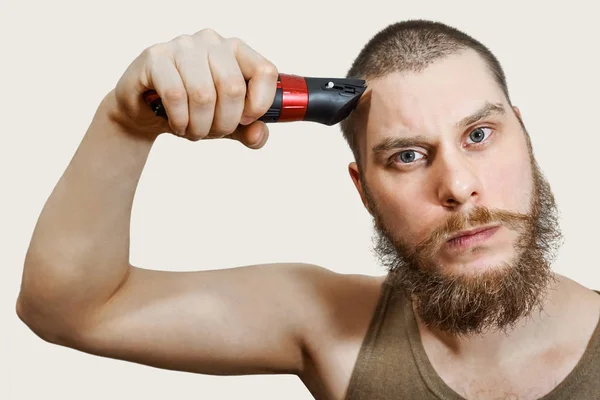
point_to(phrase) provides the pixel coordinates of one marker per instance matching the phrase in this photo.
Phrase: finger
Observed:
(261, 75)
(253, 136)
(201, 93)
(164, 77)
(231, 90)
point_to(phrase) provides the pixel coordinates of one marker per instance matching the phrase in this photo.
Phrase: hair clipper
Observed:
(322, 100)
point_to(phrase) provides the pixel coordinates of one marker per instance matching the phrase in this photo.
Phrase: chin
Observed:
(478, 262)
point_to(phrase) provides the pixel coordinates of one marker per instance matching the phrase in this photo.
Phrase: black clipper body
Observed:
(325, 101)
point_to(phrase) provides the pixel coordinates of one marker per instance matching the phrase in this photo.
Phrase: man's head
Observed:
(440, 149)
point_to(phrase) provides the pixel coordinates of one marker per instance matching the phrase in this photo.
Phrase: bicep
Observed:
(243, 320)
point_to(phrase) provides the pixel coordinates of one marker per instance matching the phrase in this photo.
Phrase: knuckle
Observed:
(175, 95)
(234, 42)
(185, 41)
(155, 51)
(233, 90)
(208, 33)
(268, 69)
(202, 96)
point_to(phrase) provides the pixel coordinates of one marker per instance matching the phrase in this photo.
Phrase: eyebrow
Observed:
(484, 112)
(391, 143)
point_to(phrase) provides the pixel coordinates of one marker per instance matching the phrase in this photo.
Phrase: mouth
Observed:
(468, 238)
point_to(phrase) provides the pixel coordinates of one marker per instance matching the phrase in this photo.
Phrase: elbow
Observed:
(45, 305)
(40, 321)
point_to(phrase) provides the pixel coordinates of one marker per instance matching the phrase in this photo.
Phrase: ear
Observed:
(356, 179)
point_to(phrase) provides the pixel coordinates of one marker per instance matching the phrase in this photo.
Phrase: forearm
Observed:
(79, 251)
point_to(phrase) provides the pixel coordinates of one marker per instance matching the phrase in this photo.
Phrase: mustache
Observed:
(477, 216)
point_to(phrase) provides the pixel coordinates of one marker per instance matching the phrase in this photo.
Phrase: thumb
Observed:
(253, 136)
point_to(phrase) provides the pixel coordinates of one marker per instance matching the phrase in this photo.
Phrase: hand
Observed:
(201, 79)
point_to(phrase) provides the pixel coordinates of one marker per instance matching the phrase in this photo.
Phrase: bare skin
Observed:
(80, 290)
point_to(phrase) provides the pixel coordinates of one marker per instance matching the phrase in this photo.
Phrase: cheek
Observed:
(508, 181)
(405, 210)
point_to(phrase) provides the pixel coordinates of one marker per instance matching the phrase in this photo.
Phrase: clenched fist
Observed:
(210, 86)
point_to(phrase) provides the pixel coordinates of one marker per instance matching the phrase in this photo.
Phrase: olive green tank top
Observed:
(392, 363)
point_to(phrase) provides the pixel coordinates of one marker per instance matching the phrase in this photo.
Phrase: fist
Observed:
(210, 86)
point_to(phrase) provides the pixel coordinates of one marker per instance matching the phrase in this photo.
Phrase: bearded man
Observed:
(465, 224)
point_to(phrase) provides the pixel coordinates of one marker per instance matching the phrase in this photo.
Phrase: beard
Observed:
(495, 299)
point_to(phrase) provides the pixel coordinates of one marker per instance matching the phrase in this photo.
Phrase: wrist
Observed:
(110, 112)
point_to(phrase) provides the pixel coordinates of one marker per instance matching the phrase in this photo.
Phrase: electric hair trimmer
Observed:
(323, 100)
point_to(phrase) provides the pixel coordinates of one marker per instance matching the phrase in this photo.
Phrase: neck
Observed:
(529, 332)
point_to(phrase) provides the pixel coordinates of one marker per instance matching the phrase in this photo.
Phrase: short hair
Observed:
(411, 45)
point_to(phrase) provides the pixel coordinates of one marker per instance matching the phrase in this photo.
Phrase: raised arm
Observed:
(79, 289)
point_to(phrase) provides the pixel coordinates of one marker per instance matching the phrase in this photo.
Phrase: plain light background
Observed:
(217, 204)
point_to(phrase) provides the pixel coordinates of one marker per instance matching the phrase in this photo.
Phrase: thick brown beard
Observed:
(467, 304)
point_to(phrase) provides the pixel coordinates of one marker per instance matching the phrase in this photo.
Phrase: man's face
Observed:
(443, 152)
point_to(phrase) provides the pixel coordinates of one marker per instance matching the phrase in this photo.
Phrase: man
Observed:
(465, 223)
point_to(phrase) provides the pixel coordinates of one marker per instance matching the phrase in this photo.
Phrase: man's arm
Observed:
(79, 289)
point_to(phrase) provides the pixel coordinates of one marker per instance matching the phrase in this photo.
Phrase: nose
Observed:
(459, 182)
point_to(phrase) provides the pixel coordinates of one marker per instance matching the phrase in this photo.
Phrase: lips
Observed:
(471, 232)
(466, 239)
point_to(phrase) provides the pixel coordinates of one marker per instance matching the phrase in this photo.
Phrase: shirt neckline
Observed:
(438, 387)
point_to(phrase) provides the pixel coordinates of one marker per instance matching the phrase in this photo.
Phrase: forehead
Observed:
(432, 101)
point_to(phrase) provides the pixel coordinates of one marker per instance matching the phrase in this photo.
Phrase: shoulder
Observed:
(339, 299)
(331, 303)
(331, 307)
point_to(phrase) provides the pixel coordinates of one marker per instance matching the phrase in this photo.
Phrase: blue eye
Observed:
(478, 135)
(408, 156)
